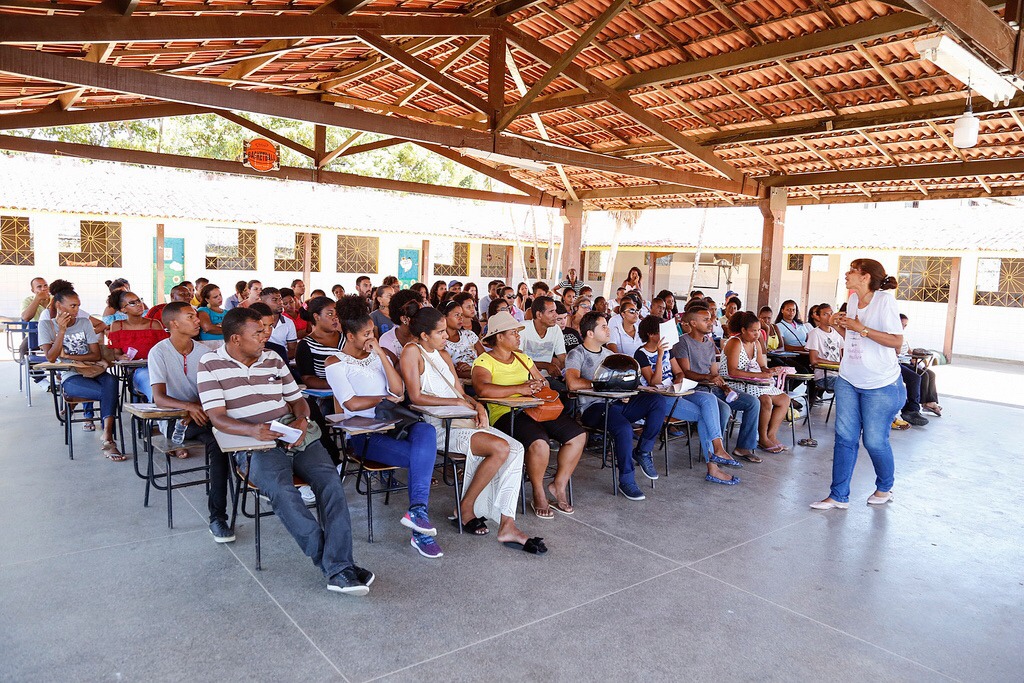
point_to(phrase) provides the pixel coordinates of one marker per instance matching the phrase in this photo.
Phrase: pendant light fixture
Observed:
(966, 127)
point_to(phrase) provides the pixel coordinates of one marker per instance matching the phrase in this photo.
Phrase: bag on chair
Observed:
(552, 406)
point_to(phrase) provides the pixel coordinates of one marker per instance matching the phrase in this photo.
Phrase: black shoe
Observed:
(346, 581)
(222, 533)
(364, 575)
(915, 418)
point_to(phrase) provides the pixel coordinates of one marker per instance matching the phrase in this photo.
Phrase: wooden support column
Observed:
(951, 305)
(307, 258)
(510, 264)
(160, 263)
(425, 263)
(572, 239)
(805, 288)
(319, 150)
(773, 209)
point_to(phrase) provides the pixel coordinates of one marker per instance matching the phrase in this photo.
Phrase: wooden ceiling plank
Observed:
(882, 150)
(737, 21)
(772, 164)
(425, 70)
(742, 98)
(816, 153)
(669, 39)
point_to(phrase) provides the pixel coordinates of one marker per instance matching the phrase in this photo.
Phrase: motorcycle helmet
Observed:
(617, 372)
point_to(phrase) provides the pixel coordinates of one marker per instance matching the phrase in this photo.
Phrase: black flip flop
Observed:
(810, 443)
(749, 458)
(534, 546)
(472, 526)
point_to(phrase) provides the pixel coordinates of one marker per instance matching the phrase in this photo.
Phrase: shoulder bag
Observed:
(552, 406)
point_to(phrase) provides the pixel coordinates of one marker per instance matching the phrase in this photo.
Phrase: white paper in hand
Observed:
(291, 435)
(669, 333)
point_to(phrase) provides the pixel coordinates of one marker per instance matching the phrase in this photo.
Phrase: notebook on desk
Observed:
(234, 442)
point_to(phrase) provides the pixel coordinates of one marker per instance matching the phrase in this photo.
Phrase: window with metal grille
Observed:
(1000, 282)
(16, 247)
(795, 262)
(230, 249)
(290, 250)
(492, 261)
(597, 264)
(460, 263)
(536, 258)
(98, 246)
(924, 278)
(358, 255)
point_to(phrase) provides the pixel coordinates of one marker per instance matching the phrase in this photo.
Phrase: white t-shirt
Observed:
(284, 332)
(389, 341)
(623, 342)
(350, 377)
(541, 349)
(867, 364)
(828, 345)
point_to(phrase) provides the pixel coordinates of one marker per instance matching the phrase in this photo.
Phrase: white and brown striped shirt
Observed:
(254, 394)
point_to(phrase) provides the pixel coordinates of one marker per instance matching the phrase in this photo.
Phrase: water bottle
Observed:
(178, 437)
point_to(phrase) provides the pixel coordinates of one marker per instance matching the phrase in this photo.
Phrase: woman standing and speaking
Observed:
(869, 391)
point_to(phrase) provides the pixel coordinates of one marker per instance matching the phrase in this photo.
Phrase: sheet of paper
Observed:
(669, 333)
(291, 435)
(684, 385)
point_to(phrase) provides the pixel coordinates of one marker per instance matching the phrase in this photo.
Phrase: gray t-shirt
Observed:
(77, 338)
(701, 354)
(586, 362)
(179, 373)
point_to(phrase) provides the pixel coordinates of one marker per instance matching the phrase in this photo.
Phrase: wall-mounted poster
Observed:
(174, 265)
(408, 267)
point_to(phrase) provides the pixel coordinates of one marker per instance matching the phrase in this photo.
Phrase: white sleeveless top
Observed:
(435, 372)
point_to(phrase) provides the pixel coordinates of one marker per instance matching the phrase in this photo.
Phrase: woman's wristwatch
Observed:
(864, 332)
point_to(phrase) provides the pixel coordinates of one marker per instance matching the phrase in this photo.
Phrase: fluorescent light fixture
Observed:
(494, 157)
(952, 58)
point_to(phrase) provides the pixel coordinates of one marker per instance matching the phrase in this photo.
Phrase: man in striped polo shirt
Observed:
(243, 388)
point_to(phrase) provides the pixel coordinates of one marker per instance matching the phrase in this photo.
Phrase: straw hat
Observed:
(502, 322)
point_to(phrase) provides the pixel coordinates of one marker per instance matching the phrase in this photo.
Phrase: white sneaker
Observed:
(880, 500)
(828, 505)
(308, 497)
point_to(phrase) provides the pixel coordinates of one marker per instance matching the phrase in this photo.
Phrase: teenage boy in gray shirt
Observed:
(693, 357)
(173, 369)
(580, 366)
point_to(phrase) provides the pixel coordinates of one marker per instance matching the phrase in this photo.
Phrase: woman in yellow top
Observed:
(503, 372)
(770, 337)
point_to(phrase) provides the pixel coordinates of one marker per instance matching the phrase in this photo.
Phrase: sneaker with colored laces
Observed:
(426, 545)
(645, 461)
(222, 533)
(417, 520)
(347, 582)
(631, 491)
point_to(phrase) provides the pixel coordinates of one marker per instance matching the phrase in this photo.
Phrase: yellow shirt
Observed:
(504, 374)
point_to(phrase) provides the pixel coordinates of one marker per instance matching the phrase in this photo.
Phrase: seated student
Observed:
(381, 318)
(693, 357)
(791, 327)
(66, 336)
(362, 377)
(323, 341)
(298, 290)
(580, 366)
(509, 295)
(732, 305)
(623, 337)
(402, 308)
(177, 293)
(491, 295)
(337, 291)
(927, 396)
(569, 299)
(111, 314)
(462, 345)
(437, 292)
(542, 340)
(283, 334)
(242, 388)
(268, 319)
(657, 308)
(174, 371)
(825, 345)
(293, 308)
(498, 305)
(232, 301)
(469, 312)
(700, 407)
(210, 315)
(35, 303)
(504, 371)
(494, 461)
(134, 332)
(771, 339)
(200, 283)
(600, 306)
(319, 292)
(745, 359)
(570, 334)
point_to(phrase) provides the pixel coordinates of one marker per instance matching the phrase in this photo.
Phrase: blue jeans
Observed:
(330, 546)
(102, 389)
(710, 414)
(140, 380)
(912, 381)
(417, 453)
(869, 412)
(751, 407)
(621, 417)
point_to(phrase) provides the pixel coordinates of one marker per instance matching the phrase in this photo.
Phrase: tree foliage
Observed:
(214, 137)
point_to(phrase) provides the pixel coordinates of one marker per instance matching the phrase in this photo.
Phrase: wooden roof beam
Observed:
(846, 36)
(634, 192)
(267, 133)
(970, 169)
(482, 168)
(46, 117)
(83, 29)
(128, 156)
(564, 60)
(76, 72)
(946, 139)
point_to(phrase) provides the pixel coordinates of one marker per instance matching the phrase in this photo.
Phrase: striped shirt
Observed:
(311, 355)
(253, 394)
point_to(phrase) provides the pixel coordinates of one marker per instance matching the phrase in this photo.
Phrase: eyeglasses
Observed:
(629, 310)
(134, 302)
(509, 297)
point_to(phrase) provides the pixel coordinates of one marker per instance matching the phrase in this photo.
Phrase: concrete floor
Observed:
(698, 582)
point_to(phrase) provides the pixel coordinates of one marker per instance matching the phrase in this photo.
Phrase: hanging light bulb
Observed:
(966, 127)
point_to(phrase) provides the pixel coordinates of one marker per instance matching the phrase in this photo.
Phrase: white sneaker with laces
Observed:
(308, 497)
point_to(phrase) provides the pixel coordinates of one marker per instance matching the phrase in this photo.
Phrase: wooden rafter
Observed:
(48, 117)
(970, 169)
(473, 121)
(483, 169)
(808, 86)
(267, 133)
(883, 72)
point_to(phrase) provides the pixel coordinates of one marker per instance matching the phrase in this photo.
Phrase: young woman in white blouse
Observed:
(362, 377)
(494, 461)
(625, 337)
(870, 391)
